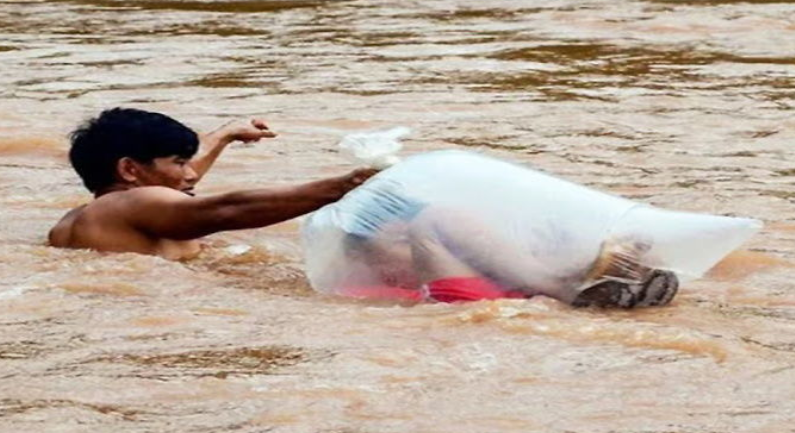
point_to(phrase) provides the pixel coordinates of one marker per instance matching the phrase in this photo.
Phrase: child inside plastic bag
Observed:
(436, 253)
(458, 226)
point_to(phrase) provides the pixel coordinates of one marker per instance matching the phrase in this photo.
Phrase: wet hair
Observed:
(101, 142)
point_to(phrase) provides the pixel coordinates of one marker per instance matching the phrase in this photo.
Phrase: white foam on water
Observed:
(14, 292)
(238, 249)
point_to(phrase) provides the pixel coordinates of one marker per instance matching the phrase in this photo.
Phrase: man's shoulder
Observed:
(127, 201)
(116, 205)
(120, 208)
(143, 193)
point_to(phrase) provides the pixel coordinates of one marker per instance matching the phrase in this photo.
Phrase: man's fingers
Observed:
(259, 123)
(357, 177)
(362, 174)
(262, 127)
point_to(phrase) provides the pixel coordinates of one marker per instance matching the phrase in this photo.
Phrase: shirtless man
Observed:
(142, 168)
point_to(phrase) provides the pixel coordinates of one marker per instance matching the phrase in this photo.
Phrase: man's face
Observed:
(169, 171)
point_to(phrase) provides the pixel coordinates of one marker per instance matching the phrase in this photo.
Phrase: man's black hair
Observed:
(100, 143)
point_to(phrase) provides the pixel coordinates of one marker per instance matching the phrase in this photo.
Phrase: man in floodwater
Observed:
(142, 168)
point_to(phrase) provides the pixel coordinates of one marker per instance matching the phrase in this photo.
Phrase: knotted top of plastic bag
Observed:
(374, 149)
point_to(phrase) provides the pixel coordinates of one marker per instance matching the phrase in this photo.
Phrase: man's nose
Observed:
(190, 174)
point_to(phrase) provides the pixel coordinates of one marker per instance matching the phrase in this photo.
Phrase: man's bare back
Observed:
(142, 170)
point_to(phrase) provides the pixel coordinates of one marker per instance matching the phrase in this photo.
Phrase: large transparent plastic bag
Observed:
(442, 213)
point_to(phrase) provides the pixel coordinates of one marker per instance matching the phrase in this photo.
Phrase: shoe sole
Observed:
(658, 289)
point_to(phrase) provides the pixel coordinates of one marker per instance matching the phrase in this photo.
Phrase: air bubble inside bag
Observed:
(524, 229)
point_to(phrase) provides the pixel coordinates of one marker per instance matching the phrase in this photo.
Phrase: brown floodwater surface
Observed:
(682, 104)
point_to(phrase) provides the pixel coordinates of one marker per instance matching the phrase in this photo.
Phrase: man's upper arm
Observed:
(166, 213)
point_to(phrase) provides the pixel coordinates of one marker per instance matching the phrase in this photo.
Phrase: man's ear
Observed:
(127, 170)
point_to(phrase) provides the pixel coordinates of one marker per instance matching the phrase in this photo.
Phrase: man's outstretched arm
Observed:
(212, 144)
(166, 213)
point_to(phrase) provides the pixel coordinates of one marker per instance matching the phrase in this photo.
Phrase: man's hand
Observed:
(357, 177)
(247, 132)
(214, 143)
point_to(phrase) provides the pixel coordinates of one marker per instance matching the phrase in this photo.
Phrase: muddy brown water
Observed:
(682, 104)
